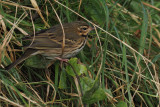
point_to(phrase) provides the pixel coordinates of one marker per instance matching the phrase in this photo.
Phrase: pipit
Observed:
(49, 42)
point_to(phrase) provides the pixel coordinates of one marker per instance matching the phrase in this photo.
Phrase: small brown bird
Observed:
(48, 42)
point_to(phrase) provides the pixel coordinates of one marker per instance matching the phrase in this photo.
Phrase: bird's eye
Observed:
(84, 28)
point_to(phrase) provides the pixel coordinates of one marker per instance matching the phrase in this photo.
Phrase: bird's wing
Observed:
(49, 38)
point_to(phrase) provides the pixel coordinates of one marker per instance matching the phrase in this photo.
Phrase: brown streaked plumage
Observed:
(48, 42)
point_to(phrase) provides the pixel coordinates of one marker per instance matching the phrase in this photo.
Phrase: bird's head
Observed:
(82, 28)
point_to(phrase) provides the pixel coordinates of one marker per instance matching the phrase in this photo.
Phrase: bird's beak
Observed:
(91, 28)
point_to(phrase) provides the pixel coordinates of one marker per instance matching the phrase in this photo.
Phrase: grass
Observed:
(119, 65)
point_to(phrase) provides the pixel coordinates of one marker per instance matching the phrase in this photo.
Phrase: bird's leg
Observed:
(57, 58)
(62, 60)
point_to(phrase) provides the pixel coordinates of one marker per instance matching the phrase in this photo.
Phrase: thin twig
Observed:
(17, 5)
(76, 77)
(63, 43)
(81, 91)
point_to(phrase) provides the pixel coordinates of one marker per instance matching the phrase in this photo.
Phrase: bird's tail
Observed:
(26, 54)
